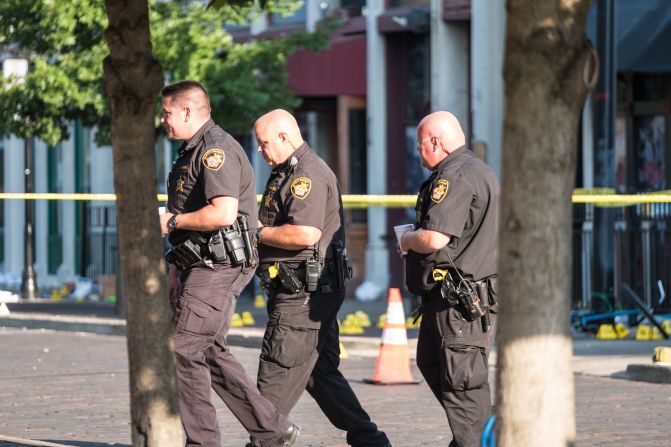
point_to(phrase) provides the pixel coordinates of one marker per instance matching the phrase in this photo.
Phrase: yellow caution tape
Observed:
(383, 201)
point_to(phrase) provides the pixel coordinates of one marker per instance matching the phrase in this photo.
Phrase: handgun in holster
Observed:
(342, 269)
(188, 252)
(216, 247)
(464, 294)
(483, 294)
(288, 279)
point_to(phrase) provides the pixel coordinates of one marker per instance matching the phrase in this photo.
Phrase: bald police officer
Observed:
(210, 196)
(451, 263)
(303, 268)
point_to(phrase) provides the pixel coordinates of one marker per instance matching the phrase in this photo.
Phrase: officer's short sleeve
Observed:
(220, 171)
(450, 203)
(305, 200)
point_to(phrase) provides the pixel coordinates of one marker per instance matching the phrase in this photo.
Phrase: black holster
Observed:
(342, 269)
(232, 241)
(188, 252)
(465, 295)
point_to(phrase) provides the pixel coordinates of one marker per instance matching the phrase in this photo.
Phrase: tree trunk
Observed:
(547, 77)
(133, 79)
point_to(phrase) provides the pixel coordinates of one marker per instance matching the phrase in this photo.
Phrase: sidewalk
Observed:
(591, 357)
(71, 389)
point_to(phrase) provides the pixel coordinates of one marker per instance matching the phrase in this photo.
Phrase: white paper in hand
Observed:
(399, 230)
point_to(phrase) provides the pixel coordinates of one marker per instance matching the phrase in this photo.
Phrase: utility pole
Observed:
(17, 69)
(28, 279)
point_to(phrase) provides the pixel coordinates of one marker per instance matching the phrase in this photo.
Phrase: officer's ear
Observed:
(187, 114)
(435, 141)
(283, 137)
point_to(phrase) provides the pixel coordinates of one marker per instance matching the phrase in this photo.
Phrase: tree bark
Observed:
(133, 79)
(547, 77)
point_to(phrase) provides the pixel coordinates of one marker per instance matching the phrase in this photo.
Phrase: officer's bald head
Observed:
(189, 94)
(438, 134)
(280, 121)
(446, 127)
(278, 135)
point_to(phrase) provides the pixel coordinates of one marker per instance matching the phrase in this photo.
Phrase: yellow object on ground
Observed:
(621, 330)
(364, 319)
(656, 334)
(56, 295)
(662, 354)
(236, 321)
(351, 326)
(248, 319)
(606, 332)
(643, 332)
(259, 302)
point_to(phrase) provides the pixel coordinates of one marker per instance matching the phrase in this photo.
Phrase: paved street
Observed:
(71, 388)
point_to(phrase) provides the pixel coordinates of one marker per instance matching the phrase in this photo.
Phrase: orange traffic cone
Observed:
(393, 362)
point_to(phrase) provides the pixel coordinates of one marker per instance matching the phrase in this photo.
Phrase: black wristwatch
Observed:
(172, 222)
(258, 235)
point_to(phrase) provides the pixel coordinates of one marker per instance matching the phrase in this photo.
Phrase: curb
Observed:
(103, 326)
(12, 441)
(654, 373)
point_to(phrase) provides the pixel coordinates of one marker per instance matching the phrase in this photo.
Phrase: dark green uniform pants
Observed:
(301, 352)
(204, 361)
(452, 356)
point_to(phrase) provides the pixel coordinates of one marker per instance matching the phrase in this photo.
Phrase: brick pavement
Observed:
(71, 388)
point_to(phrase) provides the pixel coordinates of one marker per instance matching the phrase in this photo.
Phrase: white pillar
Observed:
(14, 209)
(102, 170)
(377, 255)
(450, 60)
(259, 24)
(313, 13)
(68, 211)
(488, 27)
(41, 219)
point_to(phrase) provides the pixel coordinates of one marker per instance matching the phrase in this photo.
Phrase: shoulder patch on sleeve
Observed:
(439, 190)
(300, 188)
(213, 159)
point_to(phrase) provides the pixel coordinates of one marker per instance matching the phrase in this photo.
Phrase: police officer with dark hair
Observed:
(451, 263)
(212, 207)
(303, 268)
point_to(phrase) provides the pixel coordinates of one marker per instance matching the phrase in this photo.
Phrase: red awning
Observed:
(340, 70)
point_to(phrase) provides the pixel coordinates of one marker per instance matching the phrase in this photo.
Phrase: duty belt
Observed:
(232, 242)
(474, 299)
(279, 276)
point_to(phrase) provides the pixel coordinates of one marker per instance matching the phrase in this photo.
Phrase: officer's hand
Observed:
(165, 217)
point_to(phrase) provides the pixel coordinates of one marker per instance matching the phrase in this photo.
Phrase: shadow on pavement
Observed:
(61, 442)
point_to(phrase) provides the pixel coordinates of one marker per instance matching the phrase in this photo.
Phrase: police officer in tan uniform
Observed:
(451, 263)
(212, 207)
(303, 267)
